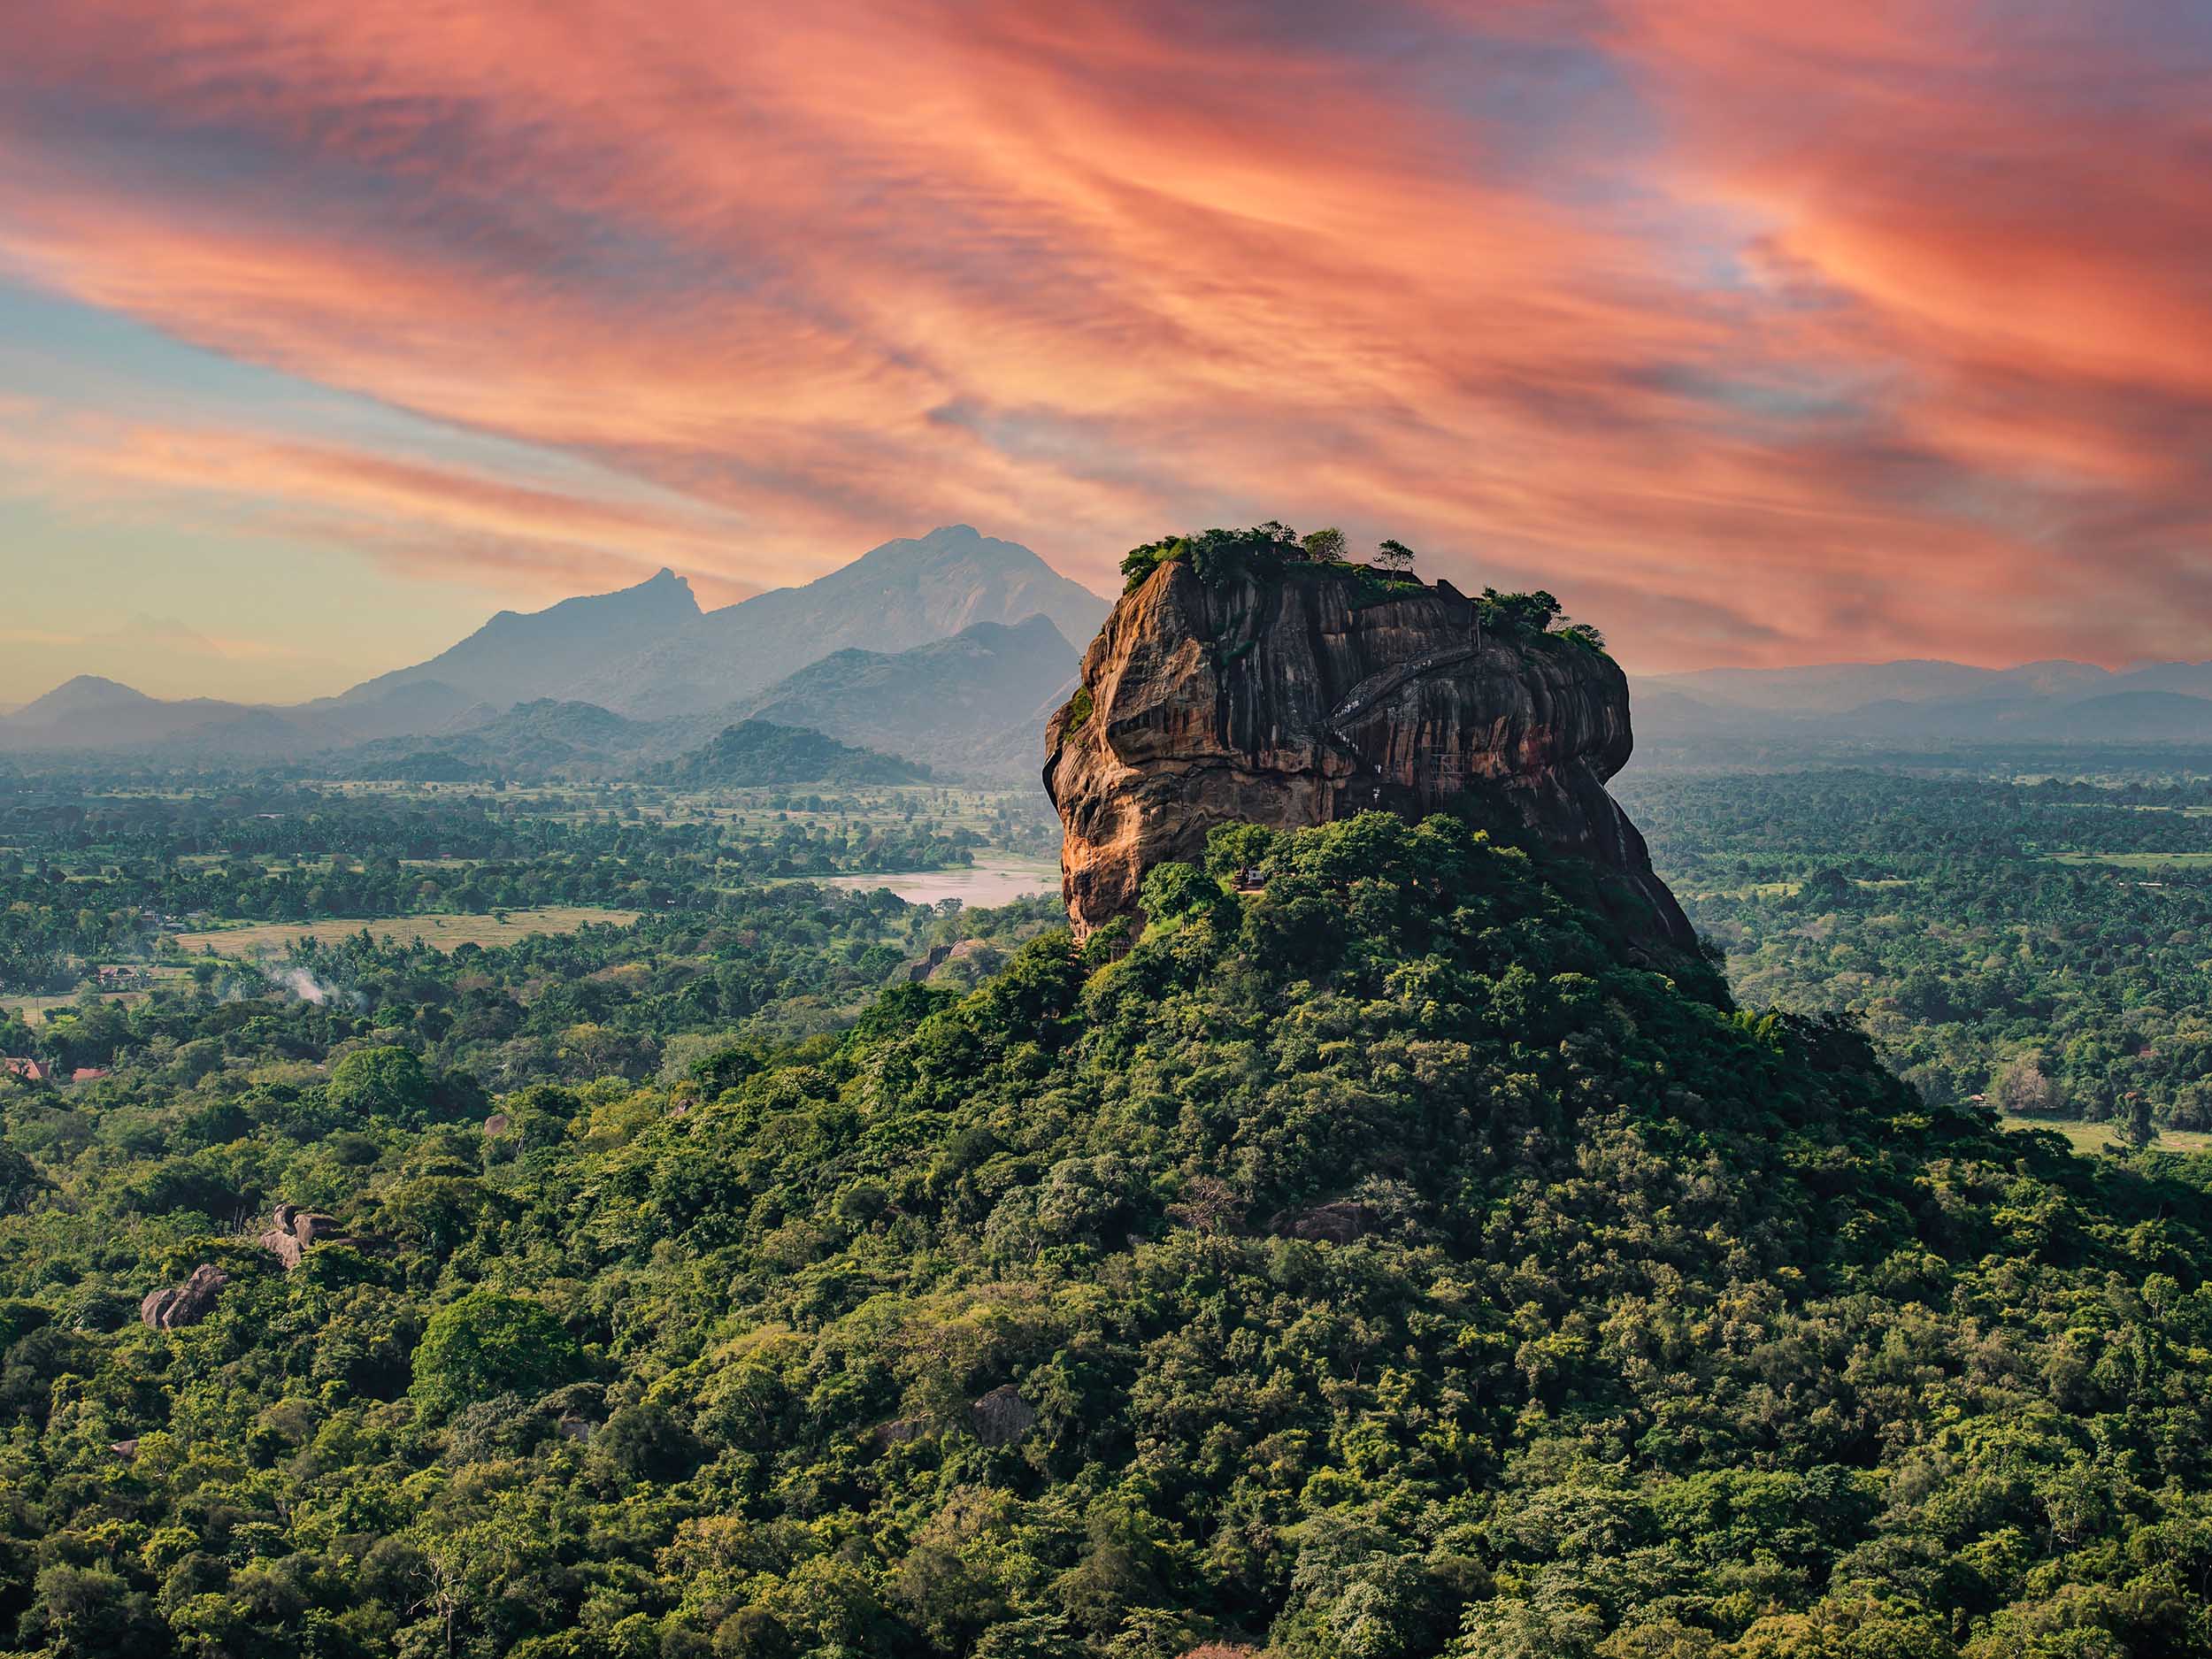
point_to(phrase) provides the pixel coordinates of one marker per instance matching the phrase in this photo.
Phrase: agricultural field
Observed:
(247, 940)
(35, 1009)
(2088, 1137)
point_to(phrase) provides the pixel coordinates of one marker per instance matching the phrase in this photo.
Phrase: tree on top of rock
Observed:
(1325, 547)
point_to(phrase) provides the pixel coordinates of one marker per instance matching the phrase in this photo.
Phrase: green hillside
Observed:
(755, 753)
(1367, 1265)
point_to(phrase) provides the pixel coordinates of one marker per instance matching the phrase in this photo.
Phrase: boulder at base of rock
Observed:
(295, 1229)
(916, 971)
(184, 1304)
(1343, 1222)
(1001, 1416)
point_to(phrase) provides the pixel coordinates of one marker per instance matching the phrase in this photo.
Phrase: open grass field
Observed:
(35, 1009)
(2088, 1137)
(250, 939)
(1791, 889)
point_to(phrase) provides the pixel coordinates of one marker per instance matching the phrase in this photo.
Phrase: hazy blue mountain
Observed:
(87, 694)
(89, 712)
(1920, 704)
(1840, 687)
(647, 651)
(951, 703)
(518, 657)
(2134, 716)
(2191, 679)
(93, 714)
(412, 705)
(897, 596)
(543, 738)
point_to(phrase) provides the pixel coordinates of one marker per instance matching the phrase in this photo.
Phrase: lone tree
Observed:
(1394, 556)
(1325, 547)
(487, 1343)
(2137, 1128)
(387, 1081)
(2024, 1089)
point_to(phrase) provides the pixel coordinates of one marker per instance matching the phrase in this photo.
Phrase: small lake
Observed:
(987, 882)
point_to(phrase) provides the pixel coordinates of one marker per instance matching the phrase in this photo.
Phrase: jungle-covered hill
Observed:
(1367, 1265)
(753, 753)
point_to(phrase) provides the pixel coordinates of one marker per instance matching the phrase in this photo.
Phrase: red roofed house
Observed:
(29, 1071)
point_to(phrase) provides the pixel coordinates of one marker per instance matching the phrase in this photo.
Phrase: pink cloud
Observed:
(1809, 332)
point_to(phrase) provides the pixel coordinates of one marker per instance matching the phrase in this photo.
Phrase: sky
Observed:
(1761, 333)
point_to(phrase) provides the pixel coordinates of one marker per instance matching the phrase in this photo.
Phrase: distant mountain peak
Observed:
(650, 651)
(663, 590)
(900, 595)
(945, 538)
(519, 654)
(81, 694)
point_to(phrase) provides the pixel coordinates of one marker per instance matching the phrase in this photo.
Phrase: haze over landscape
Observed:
(926, 829)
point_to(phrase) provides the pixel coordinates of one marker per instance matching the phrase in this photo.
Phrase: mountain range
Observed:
(90, 713)
(990, 684)
(1922, 704)
(516, 657)
(945, 706)
(650, 652)
(943, 649)
(950, 649)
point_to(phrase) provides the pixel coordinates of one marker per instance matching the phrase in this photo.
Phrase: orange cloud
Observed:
(432, 521)
(1759, 333)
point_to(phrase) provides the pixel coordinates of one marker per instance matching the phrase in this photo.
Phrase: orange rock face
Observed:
(1290, 703)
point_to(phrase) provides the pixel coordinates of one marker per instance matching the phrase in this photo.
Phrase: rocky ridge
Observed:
(1295, 700)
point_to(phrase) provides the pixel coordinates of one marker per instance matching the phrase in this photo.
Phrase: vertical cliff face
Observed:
(1296, 700)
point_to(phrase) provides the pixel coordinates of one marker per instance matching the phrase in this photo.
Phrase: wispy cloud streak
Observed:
(1761, 332)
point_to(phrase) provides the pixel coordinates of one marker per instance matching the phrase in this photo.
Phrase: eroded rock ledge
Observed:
(1295, 701)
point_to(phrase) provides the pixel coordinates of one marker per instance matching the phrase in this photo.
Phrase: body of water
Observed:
(993, 881)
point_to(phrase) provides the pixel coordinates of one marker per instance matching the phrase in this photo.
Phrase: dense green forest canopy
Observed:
(2047, 945)
(603, 1002)
(92, 875)
(1370, 1263)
